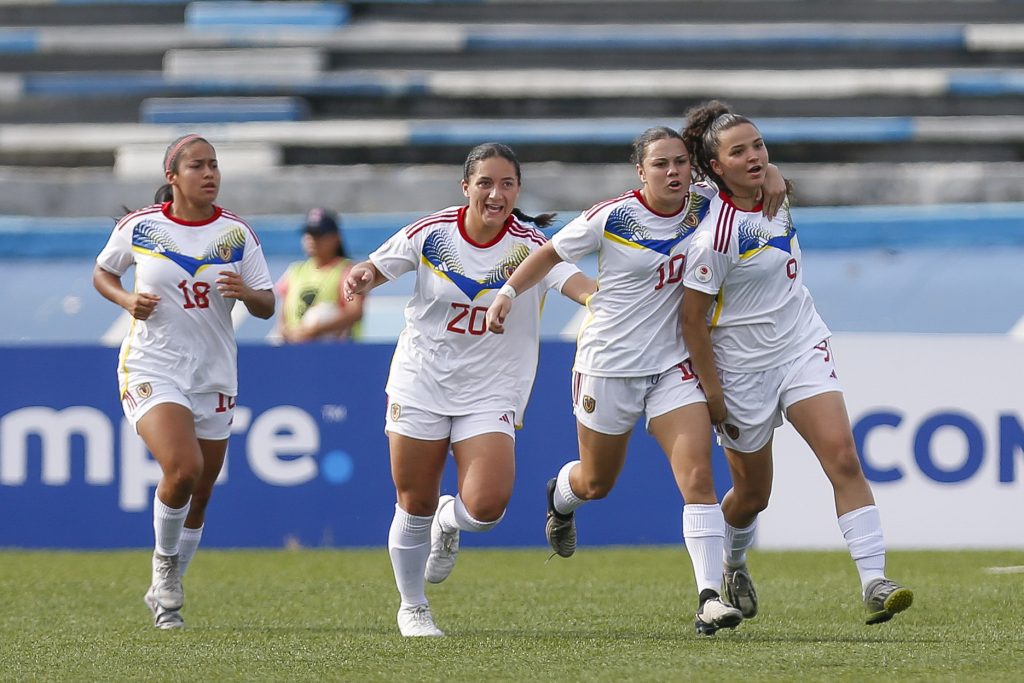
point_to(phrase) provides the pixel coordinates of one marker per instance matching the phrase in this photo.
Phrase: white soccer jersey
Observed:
(632, 329)
(763, 315)
(189, 337)
(446, 361)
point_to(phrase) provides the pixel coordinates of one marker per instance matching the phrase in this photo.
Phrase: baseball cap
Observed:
(321, 221)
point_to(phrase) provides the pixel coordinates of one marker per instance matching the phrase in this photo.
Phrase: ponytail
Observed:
(541, 220)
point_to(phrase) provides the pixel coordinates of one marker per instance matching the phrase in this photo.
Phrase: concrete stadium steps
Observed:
(790, 139)
(85, 12)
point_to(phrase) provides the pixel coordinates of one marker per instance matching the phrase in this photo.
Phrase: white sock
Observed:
(187, 547)
(455, 516)
(409, 547)
(565, 500)
(167, 525)
(862, 529)
(704, 531)
(737, 542)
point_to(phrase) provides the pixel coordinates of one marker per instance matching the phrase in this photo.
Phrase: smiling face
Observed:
(742, 160)
(665, 173)
(492, 189)
(195, 176)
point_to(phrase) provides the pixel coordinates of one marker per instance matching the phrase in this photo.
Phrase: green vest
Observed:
(309, 286)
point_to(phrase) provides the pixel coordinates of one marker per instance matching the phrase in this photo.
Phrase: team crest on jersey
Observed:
(440, 254)
(589, 404)
(144, 390)
(703, 273)
(224, 251)
(396, 412)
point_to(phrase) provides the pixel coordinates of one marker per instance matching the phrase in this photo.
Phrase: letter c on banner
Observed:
(860, 435)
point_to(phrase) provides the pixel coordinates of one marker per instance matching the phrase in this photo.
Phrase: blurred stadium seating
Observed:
(369, 106)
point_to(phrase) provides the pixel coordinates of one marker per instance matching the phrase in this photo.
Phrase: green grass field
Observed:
(606, 614)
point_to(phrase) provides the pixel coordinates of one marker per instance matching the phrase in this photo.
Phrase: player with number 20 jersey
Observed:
(446, 361)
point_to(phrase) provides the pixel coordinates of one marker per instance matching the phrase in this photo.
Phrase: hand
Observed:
(717, 410)
(359, 279)
(232, 286)
(773, 192)
(141, 304)
(296, 335)
(497, 312)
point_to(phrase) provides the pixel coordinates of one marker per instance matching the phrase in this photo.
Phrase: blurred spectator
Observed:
(312, 303)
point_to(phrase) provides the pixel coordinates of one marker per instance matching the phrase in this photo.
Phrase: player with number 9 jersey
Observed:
(762, 352)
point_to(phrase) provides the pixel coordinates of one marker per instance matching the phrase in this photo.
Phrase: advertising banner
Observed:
(938, 421)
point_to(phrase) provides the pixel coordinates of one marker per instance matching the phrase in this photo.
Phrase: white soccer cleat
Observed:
(165, 619)
(715, 614)
(444, 547)
(166, 585)
(416, 622)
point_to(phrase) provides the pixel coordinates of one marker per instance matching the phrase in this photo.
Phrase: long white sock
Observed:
(167, 525)
(187, 547)
(565, 500)
(737, 542)
(409, 547)
(455, 516)
(862, 529)
(704, 531)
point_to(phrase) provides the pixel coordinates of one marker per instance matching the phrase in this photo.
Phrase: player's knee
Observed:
(183, 475)
(844, 465)
(486, 512)
(595, 488)
(698, 484)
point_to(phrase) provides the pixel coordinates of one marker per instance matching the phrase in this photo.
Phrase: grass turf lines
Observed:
(606, 614)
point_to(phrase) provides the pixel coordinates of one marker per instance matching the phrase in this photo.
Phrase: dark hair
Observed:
(488, 150)
(164, 194)
(649, 136)
(705, 124)
(171, 157)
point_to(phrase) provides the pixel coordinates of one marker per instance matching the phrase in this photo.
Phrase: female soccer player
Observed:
(766, 354)
(177, 370)
(453, 384)
(630, 359)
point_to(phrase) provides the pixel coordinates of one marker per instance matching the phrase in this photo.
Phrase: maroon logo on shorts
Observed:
(396, 412)
(144, 390)
(589, 404)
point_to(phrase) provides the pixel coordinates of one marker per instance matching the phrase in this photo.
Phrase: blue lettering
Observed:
(975, 447)
(1011, 441)
(860, 434)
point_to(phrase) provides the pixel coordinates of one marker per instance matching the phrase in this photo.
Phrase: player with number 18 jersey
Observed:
(189, 338)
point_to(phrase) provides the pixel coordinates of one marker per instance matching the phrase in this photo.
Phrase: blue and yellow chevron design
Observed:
(440, 255)
(150, 238)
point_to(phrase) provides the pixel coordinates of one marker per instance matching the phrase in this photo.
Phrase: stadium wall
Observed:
(938, 420)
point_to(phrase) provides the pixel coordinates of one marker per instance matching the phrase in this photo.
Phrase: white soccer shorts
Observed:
(417, 423)
(612, 405)
(756, 401)
(213, 411)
